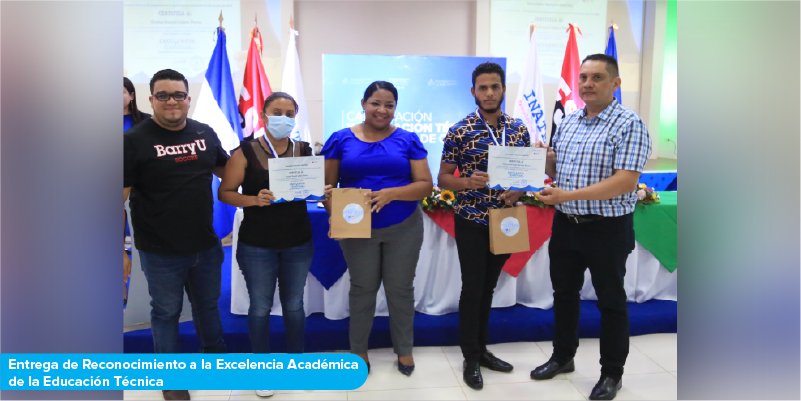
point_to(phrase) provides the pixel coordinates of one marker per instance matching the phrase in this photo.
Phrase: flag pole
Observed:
(256, 32)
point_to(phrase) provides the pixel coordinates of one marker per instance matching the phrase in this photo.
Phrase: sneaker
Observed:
(265, 393)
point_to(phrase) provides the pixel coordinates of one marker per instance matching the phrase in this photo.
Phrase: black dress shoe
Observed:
(405, 369)
(606, 388)
(472, 375)
(551, 368)
(492, 362)
(175, 394)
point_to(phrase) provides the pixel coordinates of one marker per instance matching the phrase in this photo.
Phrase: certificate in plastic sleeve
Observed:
(297, 178)
(516, 168)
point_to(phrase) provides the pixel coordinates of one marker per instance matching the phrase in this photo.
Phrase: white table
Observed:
(438, 281)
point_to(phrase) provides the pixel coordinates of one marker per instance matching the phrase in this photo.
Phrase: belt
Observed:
(582, 218)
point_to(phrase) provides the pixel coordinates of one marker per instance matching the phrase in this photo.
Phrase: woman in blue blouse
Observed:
(391, 162)
(130, 113)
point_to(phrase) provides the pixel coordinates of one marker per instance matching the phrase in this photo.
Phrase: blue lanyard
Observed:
(491, 133)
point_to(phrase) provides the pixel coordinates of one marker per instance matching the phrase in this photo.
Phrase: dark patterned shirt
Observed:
(466, 146)
(590, 150)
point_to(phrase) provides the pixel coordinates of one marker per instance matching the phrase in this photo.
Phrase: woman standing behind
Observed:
(391, 162)
(275, 239)
(130, 117)
(130, 113)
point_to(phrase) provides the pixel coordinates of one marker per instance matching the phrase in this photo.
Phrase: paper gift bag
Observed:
(350, 213)
(508, 230)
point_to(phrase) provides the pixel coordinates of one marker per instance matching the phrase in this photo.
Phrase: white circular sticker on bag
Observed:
(353, 213)
(510, 226)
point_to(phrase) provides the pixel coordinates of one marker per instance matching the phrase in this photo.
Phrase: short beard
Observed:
(500, 102)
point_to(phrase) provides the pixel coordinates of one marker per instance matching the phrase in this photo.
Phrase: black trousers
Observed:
(480, 271)
(602, 246)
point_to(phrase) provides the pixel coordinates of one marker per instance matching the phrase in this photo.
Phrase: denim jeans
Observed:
(167, 278)
(262, 267)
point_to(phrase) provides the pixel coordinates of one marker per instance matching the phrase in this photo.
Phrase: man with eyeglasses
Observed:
(168, 163)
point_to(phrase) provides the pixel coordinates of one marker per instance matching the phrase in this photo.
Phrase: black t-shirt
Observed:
(279, 225)
(169, 173)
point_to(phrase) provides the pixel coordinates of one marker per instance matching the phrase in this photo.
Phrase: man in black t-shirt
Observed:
(168, 162)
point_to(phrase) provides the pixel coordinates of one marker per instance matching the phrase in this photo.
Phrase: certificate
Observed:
(516, 167)
(297, 178)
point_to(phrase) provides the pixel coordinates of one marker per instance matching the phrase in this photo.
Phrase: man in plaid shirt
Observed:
(597, 156)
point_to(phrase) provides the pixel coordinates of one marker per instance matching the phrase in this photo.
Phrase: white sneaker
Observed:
(265, 393)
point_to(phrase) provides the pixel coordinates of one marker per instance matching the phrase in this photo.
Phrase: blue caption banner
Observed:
(183, 371)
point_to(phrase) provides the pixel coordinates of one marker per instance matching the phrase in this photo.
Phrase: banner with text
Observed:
(184, 371)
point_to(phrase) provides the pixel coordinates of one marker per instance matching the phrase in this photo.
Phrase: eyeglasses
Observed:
(164, 96)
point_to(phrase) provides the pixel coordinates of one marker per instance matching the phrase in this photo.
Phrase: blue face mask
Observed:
(280, 126)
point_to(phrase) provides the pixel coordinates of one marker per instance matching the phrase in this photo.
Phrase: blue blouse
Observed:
(127, 122)
(377, 165)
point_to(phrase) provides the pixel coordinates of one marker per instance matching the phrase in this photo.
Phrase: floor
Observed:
(650, 375)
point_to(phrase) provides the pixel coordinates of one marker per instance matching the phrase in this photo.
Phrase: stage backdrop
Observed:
(433, 93)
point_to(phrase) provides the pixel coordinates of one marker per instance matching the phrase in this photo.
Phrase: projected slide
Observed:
(177, 34)
(509, 31)
(433, 93)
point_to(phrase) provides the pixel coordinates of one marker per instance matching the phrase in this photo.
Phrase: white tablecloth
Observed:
(438, 281)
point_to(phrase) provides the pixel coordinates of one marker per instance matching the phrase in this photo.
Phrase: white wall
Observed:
(439, 27)
(442, 28)
(449, 28)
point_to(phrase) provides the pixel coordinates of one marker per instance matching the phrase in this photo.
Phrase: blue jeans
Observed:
(261, 268)
(167, 278)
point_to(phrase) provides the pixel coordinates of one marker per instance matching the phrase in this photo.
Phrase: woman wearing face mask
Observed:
(391, 162)
(275, 239)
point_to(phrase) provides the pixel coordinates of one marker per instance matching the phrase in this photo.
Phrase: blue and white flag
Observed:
(529, 102)
(217, 107)
(611, 50)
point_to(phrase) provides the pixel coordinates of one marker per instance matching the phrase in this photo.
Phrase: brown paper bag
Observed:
(350, 214)
(508, 230)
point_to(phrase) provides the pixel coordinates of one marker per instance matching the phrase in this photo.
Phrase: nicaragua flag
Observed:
(217, 107)
(611, 50)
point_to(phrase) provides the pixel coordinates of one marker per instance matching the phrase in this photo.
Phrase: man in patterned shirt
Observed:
(599, 154)
(466, 146)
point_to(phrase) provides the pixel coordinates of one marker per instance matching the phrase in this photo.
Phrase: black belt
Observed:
(582, 218)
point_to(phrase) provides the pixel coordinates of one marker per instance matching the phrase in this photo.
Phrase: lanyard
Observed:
(272, 149)
(492, 134)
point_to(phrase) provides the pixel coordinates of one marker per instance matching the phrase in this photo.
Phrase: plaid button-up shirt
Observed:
(590, 150)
